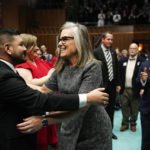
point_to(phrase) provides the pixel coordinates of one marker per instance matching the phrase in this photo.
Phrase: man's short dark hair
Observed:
(105, 33)
(9, 31)
(6, 35)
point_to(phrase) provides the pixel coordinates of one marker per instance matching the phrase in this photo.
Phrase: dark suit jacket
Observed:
(145, 100)
(17, 101)
(99, 54)
(123, 65)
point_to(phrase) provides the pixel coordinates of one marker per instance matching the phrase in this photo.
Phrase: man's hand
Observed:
(30, 124)
(144, 75)
(97, 96)
(141, 92)
(118, 88)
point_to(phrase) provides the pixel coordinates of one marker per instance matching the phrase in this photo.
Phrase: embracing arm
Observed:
(34, 123)
(26, 74)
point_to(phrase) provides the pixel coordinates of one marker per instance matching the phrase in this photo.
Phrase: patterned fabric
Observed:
(89, 129)
(109, 65)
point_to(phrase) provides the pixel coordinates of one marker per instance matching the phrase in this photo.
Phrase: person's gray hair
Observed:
(82, 43)
(124, 51)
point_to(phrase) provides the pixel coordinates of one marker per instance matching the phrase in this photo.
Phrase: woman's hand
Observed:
(51, 72)
(30, 124)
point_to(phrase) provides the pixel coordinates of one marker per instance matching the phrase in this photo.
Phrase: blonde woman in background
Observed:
(35, 72)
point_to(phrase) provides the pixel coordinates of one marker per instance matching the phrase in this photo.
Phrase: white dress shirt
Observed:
(129, 71)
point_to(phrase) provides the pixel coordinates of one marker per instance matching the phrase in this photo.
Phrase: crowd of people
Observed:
(114, 13)
(100, 13)
(38, 92)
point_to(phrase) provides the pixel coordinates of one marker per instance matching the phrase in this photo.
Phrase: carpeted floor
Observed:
(127, 140)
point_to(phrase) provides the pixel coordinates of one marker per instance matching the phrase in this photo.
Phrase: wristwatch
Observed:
(44, 121)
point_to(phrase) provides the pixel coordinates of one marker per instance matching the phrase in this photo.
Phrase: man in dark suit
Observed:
(143, 81)
(17, 100)
(129, 67)
(110, 71)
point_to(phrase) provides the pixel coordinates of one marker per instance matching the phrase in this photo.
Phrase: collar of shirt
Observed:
(104, 48)
(9, 64)
(133, 58)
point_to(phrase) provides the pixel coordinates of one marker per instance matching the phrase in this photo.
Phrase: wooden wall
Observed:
(10, 15)
(47, 22)
(123, 36)
(32, 19)
(50, 18)
(49, 40)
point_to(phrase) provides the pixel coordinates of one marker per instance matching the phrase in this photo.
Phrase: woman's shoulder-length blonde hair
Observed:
(29, 40)
(82, 43)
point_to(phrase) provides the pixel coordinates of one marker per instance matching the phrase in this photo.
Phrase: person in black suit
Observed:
(110, 71)
(129, 67)
(18, 100)
(143, 81)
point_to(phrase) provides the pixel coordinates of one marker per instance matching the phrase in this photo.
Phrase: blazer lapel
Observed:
(137, 64)
(101, 54)
(10, 72)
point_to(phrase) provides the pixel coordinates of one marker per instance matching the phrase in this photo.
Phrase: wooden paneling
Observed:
(113, 29)
(16, 14)
(49, 40)
(50, 18)
(10, 14)
(142, 35)
(121, 39)
(26, 18)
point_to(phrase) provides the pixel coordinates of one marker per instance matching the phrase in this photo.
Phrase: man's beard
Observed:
(17, 60)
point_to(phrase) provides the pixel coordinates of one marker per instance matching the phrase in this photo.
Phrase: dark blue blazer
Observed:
(145, 99)
(17, 101)
(122, 66)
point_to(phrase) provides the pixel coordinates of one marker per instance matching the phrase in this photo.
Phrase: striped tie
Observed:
(109, 65)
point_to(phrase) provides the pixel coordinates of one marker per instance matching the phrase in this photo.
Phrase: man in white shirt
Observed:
(129, 67)
(116, 18)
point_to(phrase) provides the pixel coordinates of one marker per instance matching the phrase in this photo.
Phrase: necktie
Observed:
(109, 65)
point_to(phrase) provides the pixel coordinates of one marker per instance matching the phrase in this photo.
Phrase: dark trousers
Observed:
(145, 123)
(111, 90)
(130, 105)
(27, 142)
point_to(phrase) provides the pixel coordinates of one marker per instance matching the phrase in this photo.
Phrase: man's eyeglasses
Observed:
(65, 38)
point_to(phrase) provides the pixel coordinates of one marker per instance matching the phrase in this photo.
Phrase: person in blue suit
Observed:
(129, 67)
(143, 81)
